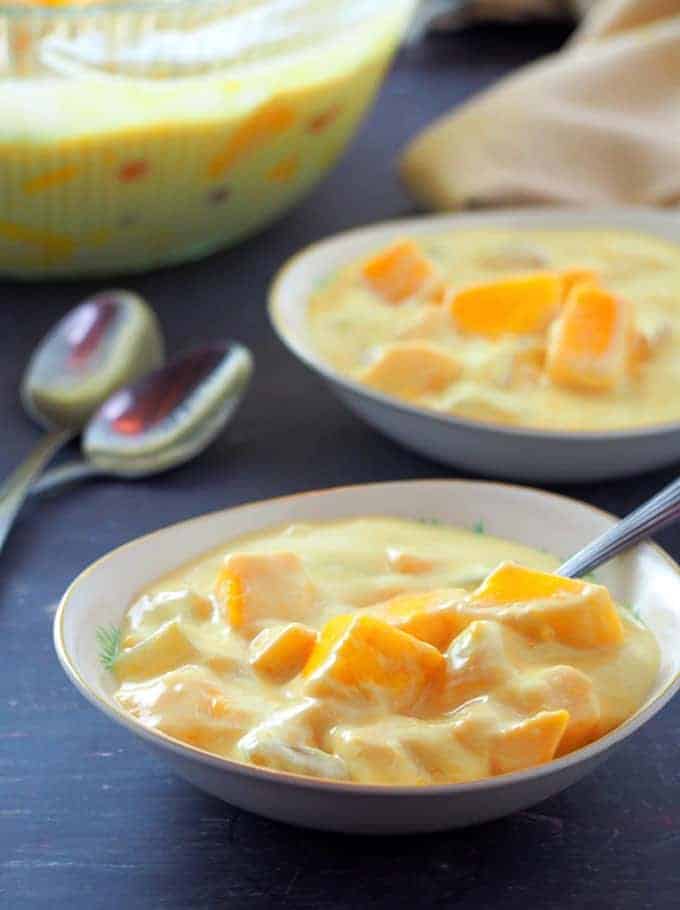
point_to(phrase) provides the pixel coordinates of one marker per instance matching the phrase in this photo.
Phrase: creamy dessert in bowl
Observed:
(528, 344)
(549, 329)
(381, 651)
(377, 673)
(140, 133)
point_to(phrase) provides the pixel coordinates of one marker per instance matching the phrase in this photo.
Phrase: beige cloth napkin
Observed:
(597, 123)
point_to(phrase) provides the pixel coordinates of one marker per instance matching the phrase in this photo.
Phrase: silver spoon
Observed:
(162, 420)
(107, 340)
(653, 515)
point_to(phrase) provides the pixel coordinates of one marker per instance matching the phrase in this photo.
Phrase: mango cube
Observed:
(519, 305)
(432, 617)
(572, 277)
(547, 607)
(589, 344)
(360, 657)
(398, 272)
(561, 687)
(408, 563)
(512, 583)
(281, 652)
(191, 705)
(531, 742)
(253, 587)
(411, 369)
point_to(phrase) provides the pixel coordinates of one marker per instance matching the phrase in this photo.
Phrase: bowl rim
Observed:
(276, 296)
(158, 738)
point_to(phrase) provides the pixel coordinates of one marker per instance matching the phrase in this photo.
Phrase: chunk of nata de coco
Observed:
(359, 657)
(398, 272)
(547, 607)
(479, 661)
(406, 751)
(288, 740)
(254, 587)
(517, 305)
(561, 687)
(589, 345)
(280, 652)
(411, 369)
(153, 610)
(190, 704)
(165, 649)
(652, 331)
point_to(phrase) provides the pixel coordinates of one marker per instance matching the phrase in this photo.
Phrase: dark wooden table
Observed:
(88, 819)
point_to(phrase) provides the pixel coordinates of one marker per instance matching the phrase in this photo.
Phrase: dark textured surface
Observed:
(87, 817)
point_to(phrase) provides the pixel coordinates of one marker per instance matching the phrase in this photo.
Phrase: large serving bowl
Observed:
(516, 452)
(646, 578)
(140, 133)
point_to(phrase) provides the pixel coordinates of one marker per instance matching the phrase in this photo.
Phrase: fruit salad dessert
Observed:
(381, 651)
(558, 330)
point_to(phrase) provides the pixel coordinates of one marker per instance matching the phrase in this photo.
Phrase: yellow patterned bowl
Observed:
(138, 134)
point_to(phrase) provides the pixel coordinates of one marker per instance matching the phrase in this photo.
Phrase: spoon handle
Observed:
(63, 474)
(656, 513)
(14, 490)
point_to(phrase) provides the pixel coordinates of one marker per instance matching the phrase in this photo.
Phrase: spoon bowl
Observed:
(110, 339)
(164, 419)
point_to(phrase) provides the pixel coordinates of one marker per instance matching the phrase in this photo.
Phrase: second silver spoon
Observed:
(164, 419)
(653, 515)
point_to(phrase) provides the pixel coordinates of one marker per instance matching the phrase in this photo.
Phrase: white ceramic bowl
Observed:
(98, 598)
(485, 448)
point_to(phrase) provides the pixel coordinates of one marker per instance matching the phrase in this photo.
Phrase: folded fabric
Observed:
(597, 123)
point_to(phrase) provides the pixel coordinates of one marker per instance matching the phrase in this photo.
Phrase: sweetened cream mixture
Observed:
(559, 330)
(381, 651)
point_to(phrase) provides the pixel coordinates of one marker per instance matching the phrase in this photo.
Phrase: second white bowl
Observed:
(484, 448)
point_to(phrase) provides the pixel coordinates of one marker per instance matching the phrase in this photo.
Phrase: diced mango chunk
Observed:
(362, 657)
(548, 607)
(519, 305)
(589, 343)
(408, 563)
(531, 742)
(572, 277)
(512, 583)
(556, 688)
(398, 272)
(411, 369)
(281, 652)
(258, 586)
(440, 294)
(165, 649)
(427, 616)
(191, 705)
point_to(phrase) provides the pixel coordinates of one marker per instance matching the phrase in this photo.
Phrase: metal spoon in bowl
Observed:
(653, 515)
(162, 420)
(107, 340)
